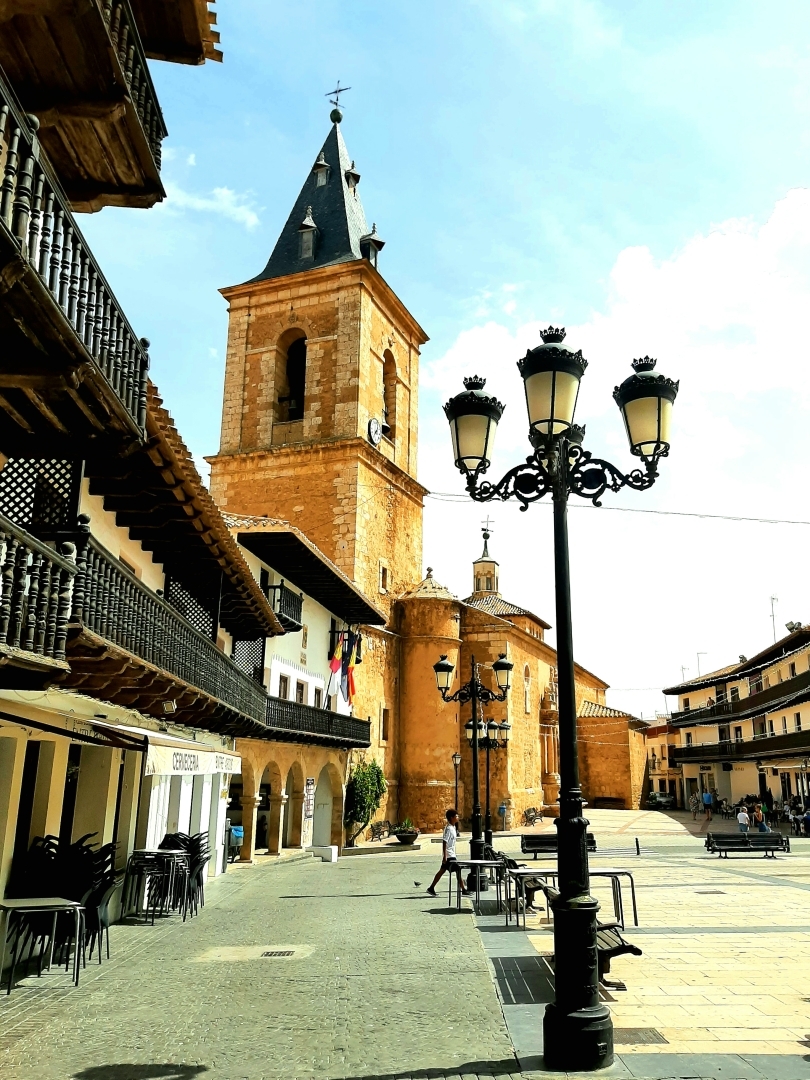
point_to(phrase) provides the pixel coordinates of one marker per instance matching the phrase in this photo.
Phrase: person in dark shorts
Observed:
(449, 864)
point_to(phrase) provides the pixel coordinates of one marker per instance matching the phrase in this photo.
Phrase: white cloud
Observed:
(191, 159)
(222, 200)
(726, 314)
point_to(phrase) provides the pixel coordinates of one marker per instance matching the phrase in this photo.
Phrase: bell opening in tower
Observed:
(292, 371)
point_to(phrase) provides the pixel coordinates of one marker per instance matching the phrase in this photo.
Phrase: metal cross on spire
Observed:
(335, 100)
(487, 525)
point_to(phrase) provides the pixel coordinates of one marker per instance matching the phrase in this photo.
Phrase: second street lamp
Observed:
(477, 694)
(456, 759)
(497, 738)
(578, 1033)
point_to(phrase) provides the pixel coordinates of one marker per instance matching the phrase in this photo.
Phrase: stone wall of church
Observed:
(612, 761)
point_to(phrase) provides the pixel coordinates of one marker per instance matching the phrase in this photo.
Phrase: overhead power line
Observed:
(449, 496)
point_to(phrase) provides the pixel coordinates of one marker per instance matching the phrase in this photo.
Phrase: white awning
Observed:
(167, 755)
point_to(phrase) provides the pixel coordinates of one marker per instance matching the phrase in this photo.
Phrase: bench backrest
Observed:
(548, 841)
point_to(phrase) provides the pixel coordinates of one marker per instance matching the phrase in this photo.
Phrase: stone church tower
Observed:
(319, 423)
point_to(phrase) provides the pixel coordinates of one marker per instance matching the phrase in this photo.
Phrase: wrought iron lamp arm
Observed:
(564, 462)
(482, 693)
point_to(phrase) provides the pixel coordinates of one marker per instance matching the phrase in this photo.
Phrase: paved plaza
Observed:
(384, 981)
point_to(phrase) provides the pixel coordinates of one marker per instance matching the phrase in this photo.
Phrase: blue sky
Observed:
(635, 171)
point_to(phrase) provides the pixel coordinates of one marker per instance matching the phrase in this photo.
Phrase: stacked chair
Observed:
(169, 879)
(79, 871)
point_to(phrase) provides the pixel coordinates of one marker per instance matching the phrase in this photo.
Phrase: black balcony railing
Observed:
(36, 586)
(35, 212)
(754, 703)
(127, 44)
(793, 743)
(112, 603)
(316, 725)
(288, 605)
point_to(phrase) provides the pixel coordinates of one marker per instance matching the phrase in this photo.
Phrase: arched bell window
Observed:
(291, 378)
(389, 424)
(527, 689)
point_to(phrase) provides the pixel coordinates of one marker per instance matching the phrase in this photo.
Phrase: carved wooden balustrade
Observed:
(288, 605)
(317, 725)
(112, 603)
(36, 586)
(35, 212)
(127, 43)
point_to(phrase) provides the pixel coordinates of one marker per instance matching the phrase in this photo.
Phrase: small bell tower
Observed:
(485, 568)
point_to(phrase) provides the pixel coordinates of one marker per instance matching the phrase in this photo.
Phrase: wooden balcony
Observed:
(288, 721)
(36, 586)
(288, 605)
(79, 66)
(769, 699)
(182, 32)
(789, 745)
(72, 371)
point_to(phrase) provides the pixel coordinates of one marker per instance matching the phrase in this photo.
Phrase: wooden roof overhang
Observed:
(287, 551)
(181, 32)
(79, 66)
(156, 493)
(100, 669)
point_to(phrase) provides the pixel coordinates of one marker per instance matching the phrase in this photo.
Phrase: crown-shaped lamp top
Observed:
(646, 363)
(553, 335)
(474, 382)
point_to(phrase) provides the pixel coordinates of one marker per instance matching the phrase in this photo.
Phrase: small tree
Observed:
(364, 793)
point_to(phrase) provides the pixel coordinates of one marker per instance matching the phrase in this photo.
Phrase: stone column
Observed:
(275, 823)
(50, 788)
(551, 769)
(128, 812)
(249, 805)
(96, 793)
(12, 759)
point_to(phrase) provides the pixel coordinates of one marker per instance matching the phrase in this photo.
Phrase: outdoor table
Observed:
(38, 905)
(470, 863)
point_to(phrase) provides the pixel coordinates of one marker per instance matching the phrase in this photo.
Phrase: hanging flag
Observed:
(337, 657)
(352, 662)
(347, 658)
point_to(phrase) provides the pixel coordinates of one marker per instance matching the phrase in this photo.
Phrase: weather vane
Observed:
(488, 525)
(335, 100)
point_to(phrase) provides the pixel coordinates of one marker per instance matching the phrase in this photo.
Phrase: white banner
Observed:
(168, 761)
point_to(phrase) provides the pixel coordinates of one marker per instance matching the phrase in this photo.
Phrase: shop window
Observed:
(283, 686)
(385, 720)
(301, 692)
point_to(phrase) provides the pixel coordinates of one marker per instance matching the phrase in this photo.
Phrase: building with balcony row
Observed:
(745, 728)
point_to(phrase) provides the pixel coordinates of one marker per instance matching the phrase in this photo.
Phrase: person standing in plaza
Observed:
(743, 820)
(449, 864)
(694, 805)
(707, 804)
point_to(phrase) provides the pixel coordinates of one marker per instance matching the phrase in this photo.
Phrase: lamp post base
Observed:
(577, 1041)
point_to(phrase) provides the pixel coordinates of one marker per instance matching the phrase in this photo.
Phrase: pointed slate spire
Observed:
(329, 200)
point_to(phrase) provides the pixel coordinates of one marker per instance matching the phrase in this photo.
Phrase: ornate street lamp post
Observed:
(476, 693)
(456, 759)
(578, 1033)
(497, 738)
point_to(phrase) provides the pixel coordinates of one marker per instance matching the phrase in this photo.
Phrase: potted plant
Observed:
(406, 832)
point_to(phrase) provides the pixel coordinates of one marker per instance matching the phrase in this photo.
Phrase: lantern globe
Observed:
(551, 375)
(456, 759)
(473, 417)
(505, 728)
(469, 730)
(646, 400)
(444, 673)
(503, 672)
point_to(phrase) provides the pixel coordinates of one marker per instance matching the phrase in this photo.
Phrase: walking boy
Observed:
(449, 863)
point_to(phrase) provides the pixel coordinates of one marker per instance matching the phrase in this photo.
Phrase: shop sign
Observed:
(309, 797)
(168, 761)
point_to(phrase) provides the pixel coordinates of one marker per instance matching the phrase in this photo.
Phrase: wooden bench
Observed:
(546, 843)
(380, 830)
(609, 943)
(531, 815)
(767, 843)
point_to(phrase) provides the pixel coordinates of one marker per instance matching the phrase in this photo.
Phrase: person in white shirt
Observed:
(743, 820)
(449, 864)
